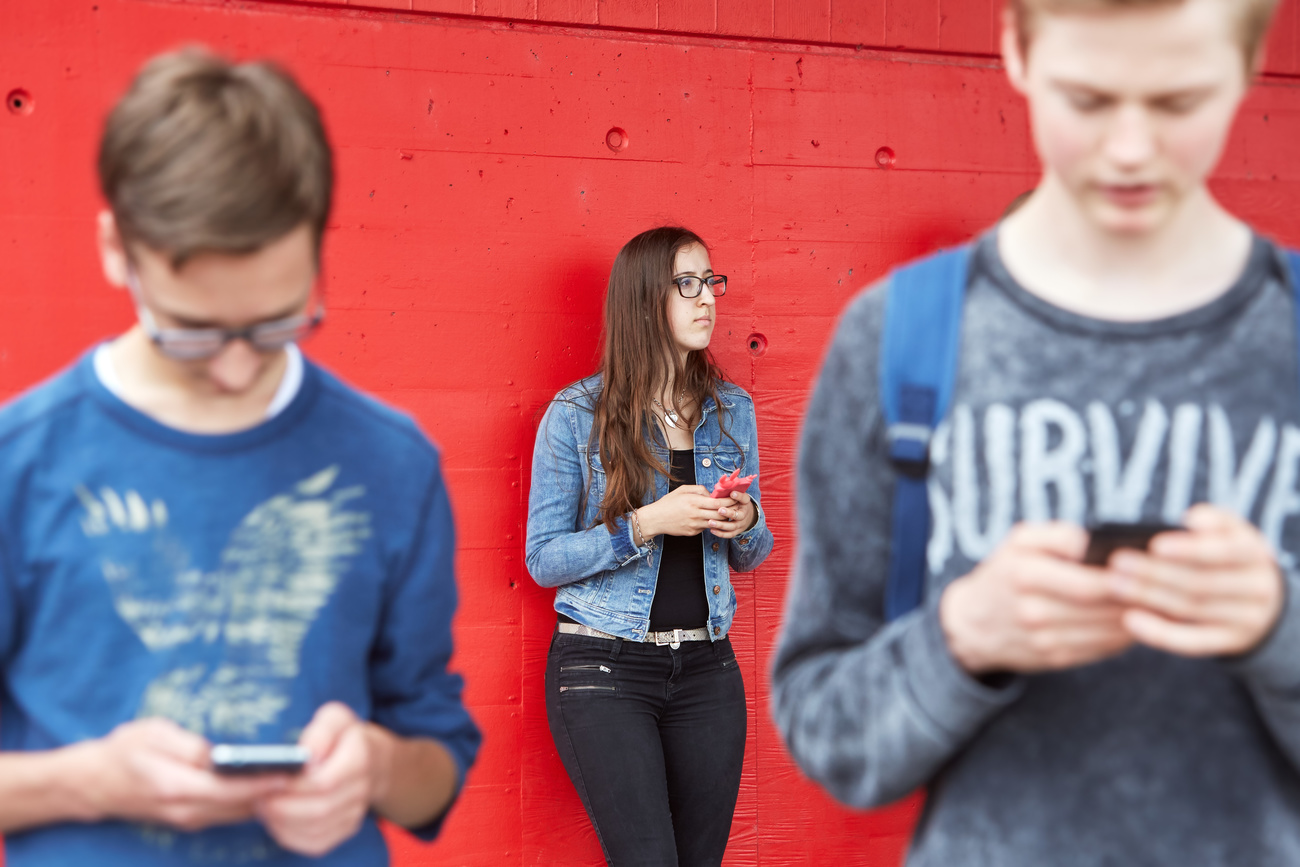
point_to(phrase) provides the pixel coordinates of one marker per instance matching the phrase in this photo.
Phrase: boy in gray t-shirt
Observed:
(1128, 353)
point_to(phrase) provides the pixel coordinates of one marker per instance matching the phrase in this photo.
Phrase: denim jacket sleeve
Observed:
(558, 549)
(749, 549)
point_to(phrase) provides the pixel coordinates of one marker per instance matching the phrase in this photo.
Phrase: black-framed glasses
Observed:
(691, 286)
(199, 344)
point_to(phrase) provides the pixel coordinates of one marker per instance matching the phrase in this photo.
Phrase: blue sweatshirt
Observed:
(231, 583)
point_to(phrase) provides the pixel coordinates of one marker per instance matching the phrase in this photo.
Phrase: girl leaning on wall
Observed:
(643, 694)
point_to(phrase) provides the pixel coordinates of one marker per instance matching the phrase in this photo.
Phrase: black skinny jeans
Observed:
(654, 740)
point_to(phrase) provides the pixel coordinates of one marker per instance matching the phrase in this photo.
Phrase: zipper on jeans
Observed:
(603, 668)
(577, 688)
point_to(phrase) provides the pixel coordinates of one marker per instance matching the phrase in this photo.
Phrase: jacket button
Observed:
(717, 630)
(717, 588)
(706, 462)
(715, 546)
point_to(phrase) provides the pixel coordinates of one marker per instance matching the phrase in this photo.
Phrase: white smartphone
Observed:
(241, 759)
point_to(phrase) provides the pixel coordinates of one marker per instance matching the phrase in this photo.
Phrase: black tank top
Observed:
(680, 601)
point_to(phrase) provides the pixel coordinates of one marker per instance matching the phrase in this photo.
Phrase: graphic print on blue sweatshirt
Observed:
(232, 635)
(1047, 460)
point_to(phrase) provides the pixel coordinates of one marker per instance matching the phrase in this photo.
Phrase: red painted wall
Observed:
(478, 210)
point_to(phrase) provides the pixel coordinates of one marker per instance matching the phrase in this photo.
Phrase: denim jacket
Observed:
(605, 580)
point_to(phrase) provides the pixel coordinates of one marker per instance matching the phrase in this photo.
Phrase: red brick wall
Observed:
(478, 210)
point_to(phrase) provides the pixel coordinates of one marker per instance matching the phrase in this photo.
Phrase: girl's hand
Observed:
(737, 515)
(686, 511)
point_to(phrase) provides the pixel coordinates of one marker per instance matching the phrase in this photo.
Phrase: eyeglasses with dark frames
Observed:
(199, 344)
(691, 286)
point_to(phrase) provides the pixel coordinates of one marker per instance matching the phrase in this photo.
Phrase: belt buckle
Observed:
(675, 642)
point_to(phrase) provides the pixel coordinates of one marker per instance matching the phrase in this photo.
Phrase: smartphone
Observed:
(1106, 539)
(243, 759)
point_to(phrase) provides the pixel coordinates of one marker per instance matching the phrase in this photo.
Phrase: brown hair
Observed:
(638, 359)
(1252, 21)
(203, 155)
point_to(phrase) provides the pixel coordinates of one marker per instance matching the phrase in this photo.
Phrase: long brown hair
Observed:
(638, 359)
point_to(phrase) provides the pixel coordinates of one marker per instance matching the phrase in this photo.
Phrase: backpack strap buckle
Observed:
(909, 448)
(909, 436)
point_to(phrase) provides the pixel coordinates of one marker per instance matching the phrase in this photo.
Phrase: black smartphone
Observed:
(243, 759)
(1106, 539)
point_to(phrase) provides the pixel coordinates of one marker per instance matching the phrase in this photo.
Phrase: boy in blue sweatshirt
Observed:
(206, 538)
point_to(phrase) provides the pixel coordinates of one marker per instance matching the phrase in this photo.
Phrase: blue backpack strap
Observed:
(918, 364)
(1293, 260)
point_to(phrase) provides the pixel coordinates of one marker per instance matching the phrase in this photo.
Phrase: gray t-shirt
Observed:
(1146, 758)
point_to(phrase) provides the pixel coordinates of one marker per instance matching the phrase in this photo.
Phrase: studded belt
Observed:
(671, 637)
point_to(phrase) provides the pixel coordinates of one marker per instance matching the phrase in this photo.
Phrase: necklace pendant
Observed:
(670, 419)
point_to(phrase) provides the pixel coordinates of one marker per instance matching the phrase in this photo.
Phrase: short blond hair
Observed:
(1252, 21)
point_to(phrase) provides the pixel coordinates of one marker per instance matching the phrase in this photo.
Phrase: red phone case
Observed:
(730, 483)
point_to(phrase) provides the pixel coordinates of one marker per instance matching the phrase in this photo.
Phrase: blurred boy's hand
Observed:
(152, 770)
(1215, 590)
(326, 804)
(1032, 606)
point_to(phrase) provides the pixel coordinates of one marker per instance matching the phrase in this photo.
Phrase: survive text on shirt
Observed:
(1047, 460)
